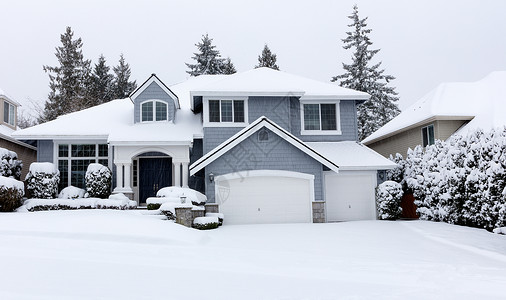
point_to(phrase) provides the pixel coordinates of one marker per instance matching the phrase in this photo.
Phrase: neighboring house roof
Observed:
(151, 79)
(483, 102)
(350, 155)
(268, 82)
(248, 131)
(4, 95)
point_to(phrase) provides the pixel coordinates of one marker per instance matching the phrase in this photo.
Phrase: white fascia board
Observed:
(152, 79)
(13, 140)
(61, 137)
(247, 132)
(368, 168)
(247, 93)
(334, 97)
(148, 143)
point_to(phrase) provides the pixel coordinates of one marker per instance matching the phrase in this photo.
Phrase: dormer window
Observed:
(153, 110)
(9, 113)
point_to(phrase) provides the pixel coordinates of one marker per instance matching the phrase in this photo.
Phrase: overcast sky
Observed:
(422, 43)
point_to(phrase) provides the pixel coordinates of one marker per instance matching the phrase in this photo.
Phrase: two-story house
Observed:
(27, 153)
(265, 145)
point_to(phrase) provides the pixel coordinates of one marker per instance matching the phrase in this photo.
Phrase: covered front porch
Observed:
(141, 170)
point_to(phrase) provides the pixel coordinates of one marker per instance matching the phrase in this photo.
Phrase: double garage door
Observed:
(286, 197)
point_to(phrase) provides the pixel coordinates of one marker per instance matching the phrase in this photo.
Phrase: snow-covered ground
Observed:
(104, 254)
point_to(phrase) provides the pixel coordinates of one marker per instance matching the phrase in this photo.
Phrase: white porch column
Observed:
(177, 173)
(127, 176)
(119, 176)
(185, 174)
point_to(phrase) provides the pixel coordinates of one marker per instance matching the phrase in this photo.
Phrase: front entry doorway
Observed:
(154, 173)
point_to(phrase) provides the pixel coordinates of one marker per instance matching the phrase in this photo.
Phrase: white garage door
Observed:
(265, 197)
(350, 195)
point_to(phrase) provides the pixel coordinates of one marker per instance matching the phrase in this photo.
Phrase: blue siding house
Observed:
(264, 145)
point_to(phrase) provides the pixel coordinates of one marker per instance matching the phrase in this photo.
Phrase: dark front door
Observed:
(154, 174)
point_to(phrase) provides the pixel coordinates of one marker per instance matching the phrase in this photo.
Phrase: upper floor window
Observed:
(428, 135)
(9, 113)
(225, 111)
(153, 111)
(320, 118)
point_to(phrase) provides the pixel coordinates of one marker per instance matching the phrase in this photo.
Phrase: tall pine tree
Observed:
(228, 67)
(68, 82)
(122, 86)
(363, 75)
(267, 59)
(101, 89)
(207, 60)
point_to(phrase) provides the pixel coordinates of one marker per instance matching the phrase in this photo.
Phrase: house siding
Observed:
(401, 142)
(154, 92)
(274, 154)
(45, 150)
(26, 155)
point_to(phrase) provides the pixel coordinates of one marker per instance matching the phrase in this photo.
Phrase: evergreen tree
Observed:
(267, 59)
(122, 86)
(101, 89)
(68, 82)
(228, 67)
(208, 59)
(364, 76)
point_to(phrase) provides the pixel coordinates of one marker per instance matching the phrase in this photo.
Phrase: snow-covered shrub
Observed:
(205, 223)
(116, 201)
(72, 192)
(220, 217)
(192, 196)
(10, 166)
(11, 194)
(60, 204)
(388, 199)
(42, 180)
(98, 180)
(397, 174)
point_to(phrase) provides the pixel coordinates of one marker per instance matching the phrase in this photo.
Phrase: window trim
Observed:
(320, 131)
(205, 112)
(428, 139)
(154, 111)
(9, 115)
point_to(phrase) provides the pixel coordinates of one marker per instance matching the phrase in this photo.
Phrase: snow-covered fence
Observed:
(460, 181)
(42, 180)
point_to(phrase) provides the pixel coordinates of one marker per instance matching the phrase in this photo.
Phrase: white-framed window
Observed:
(226, 112)
(9, 113)
(428, 135)
(73, 161)
(320, 118)
(154, 110)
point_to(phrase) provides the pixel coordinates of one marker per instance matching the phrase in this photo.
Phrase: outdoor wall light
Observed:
(183, 198)
(211, 177)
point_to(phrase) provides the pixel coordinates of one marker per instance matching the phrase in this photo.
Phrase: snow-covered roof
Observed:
(350, 155)
(4, 95)
(268, 82)
(483, 102)
(183, 89)
(151, 79)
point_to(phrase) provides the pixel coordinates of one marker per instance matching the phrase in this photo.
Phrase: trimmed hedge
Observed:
(10, 198)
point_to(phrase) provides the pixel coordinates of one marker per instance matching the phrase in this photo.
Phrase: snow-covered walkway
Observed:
(125, 255)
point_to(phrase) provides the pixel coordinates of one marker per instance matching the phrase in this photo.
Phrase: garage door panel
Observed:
(266, 199)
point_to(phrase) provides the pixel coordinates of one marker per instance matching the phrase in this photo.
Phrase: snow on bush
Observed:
(78, 203)
(11, 194)
(10, 166)
(42, 180)
(388, 198)
(220, 217)
(204, 223)
(460, 181)
(72, 192)
(177, 192)
(98, 180)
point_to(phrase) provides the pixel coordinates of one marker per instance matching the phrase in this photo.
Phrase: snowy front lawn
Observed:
(89, 254)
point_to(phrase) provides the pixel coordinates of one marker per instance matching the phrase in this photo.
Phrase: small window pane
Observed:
(238, 111)
(78, 171)
(134, 173)
(328, 112)
(103, 150)
(104, 162)
(430, 130)
(83, 150)
(161, 111)
(214, 110)
(226, 110)
(6, 112)
(425, 139)
(311, 117)
(147, 111)
(11, 115)
(63, 167)
(63, 150)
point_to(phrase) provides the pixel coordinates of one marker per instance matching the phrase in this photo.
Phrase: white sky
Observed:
(422, 43)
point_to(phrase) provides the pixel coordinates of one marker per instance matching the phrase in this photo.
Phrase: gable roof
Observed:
(483, 102)
(268, 82)
(151, 79)
(248, 131)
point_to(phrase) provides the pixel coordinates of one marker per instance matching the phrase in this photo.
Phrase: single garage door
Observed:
(265, 197)
(350, 195)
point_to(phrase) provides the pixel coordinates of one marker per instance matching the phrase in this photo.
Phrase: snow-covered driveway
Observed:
(92, 254)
